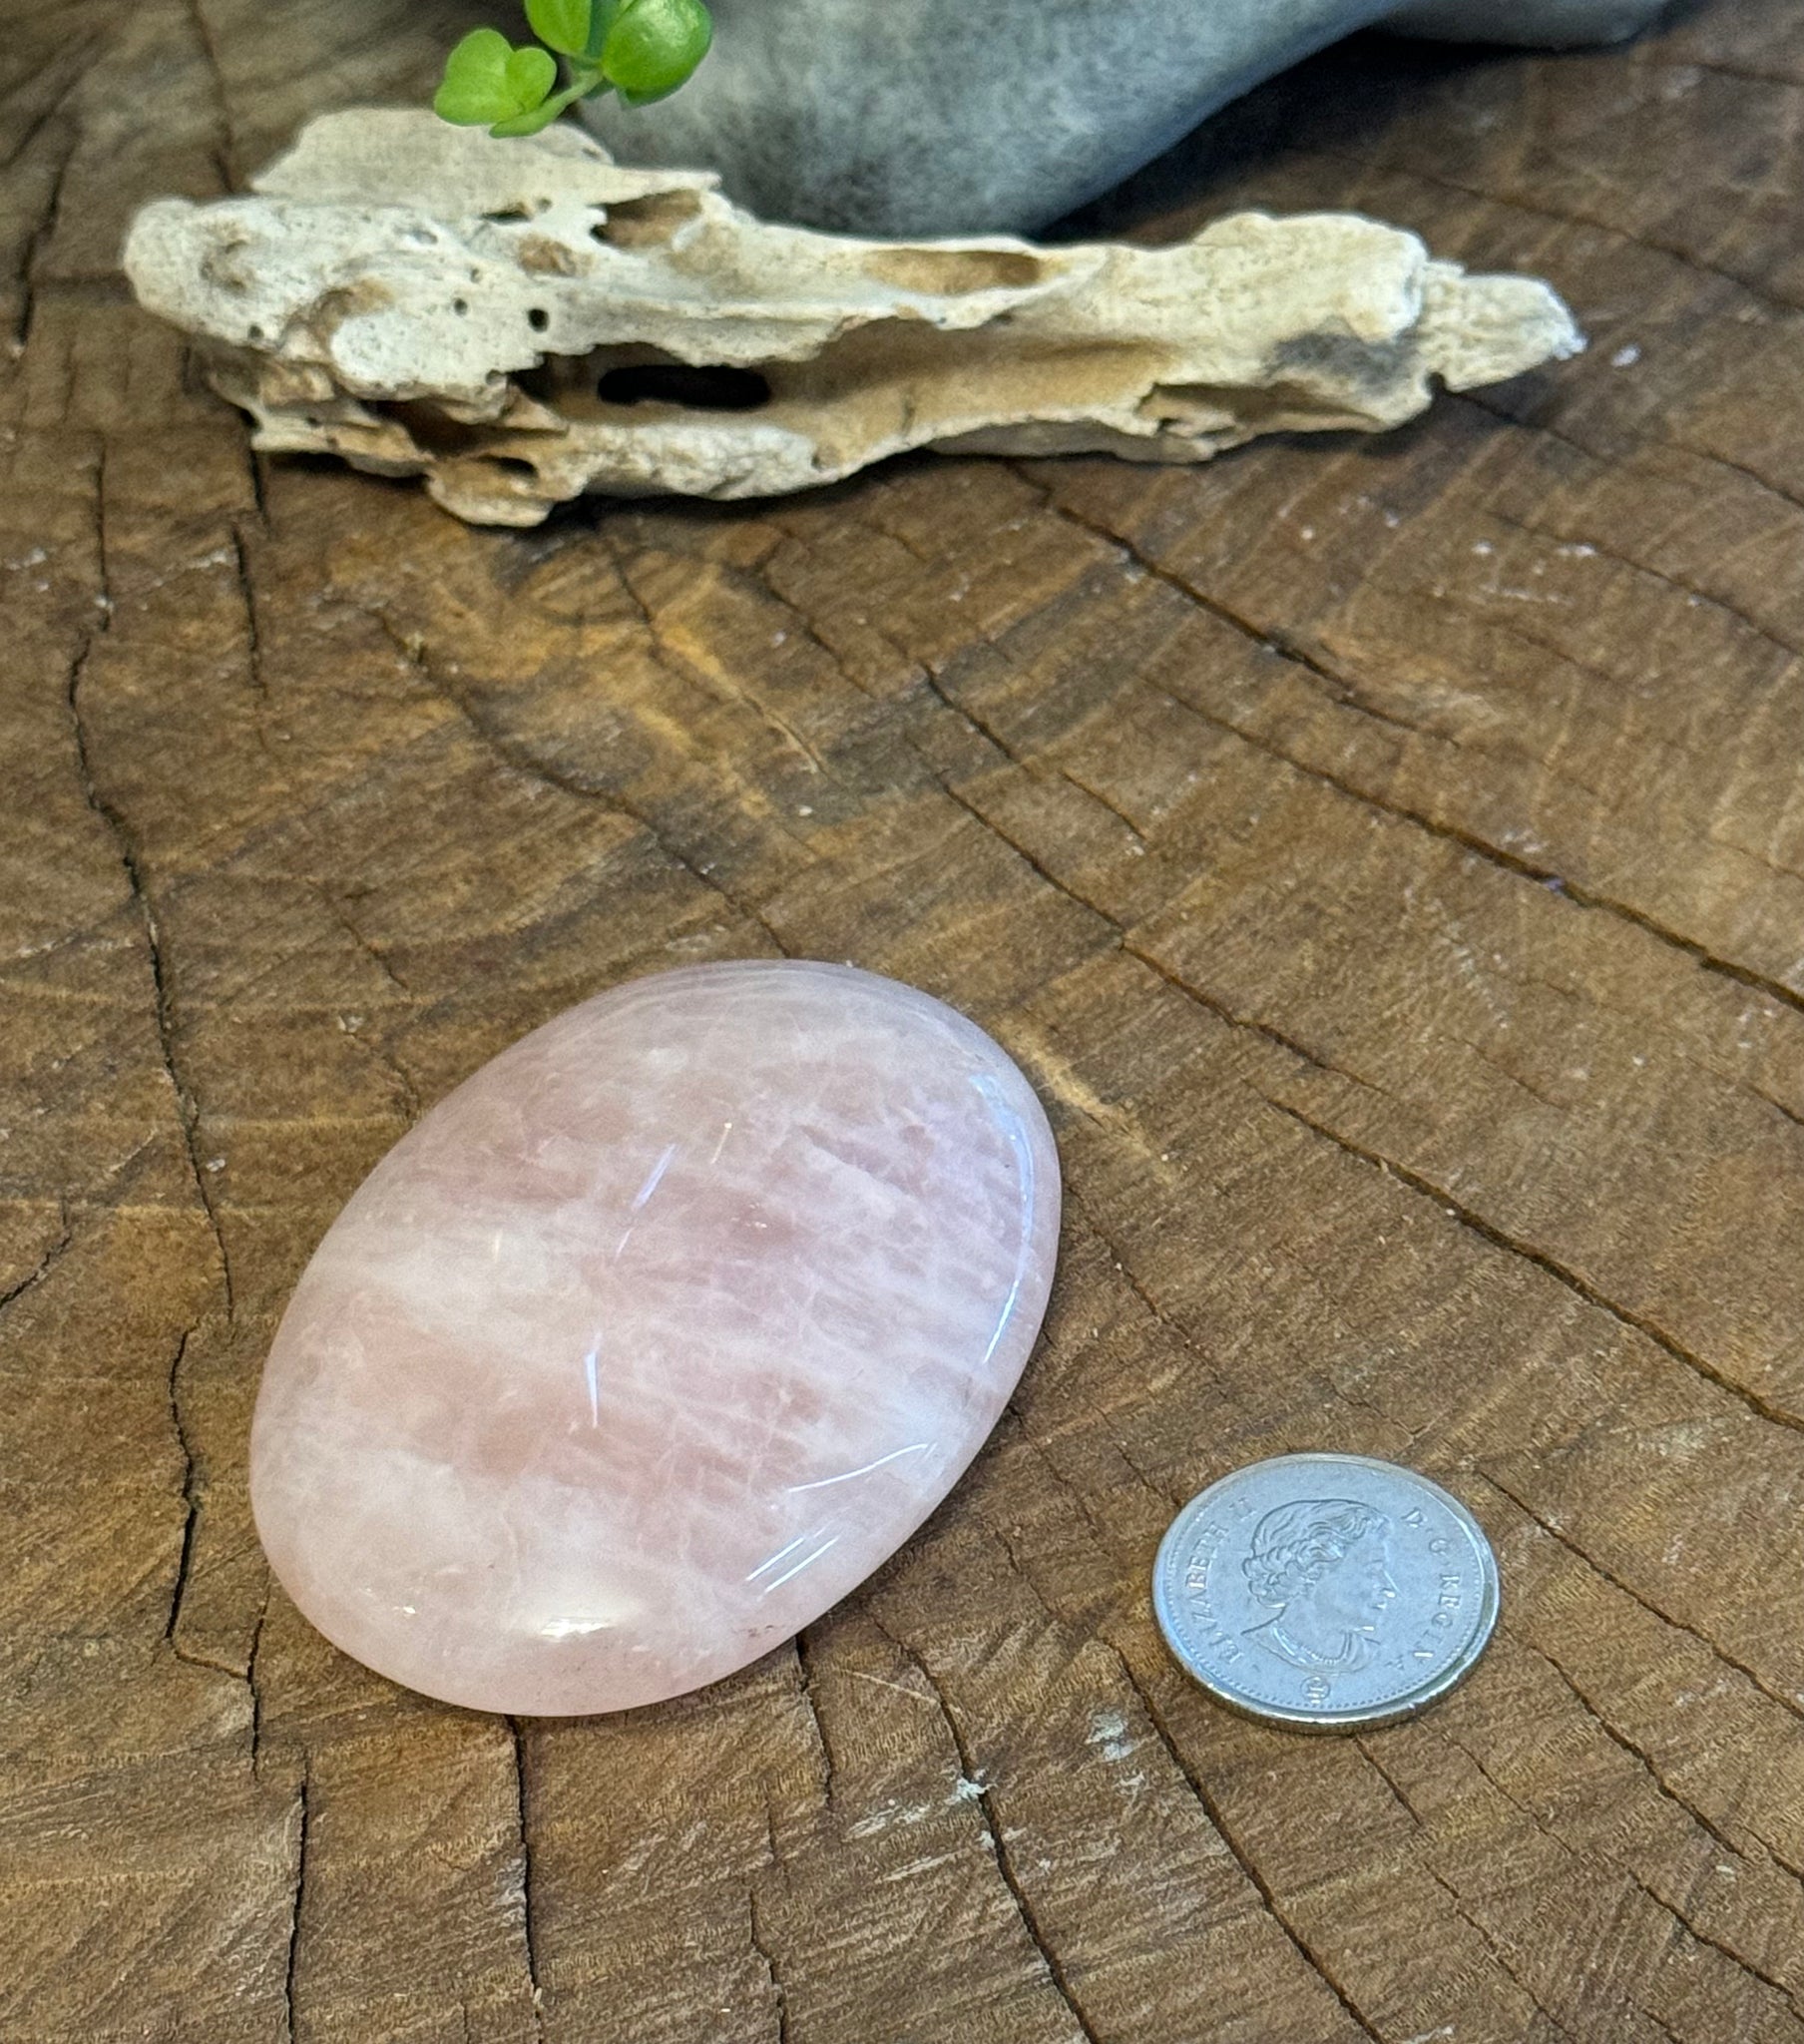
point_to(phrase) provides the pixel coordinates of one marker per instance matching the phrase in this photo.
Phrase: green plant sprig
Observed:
(641, 49)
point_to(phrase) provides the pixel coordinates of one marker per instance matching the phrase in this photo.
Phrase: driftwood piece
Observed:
(520, 321)
(1385, 854)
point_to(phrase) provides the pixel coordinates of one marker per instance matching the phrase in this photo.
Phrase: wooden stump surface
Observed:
(1386, 856)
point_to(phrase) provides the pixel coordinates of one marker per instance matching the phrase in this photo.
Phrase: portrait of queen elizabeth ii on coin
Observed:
(1325, 1591)
(1322, 1568)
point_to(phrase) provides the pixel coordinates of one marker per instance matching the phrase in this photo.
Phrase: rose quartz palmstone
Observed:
(656, 1337)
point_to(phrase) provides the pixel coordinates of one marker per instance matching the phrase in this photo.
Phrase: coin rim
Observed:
(1353, 1718)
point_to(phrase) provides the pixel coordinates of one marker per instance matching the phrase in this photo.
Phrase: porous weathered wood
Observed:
(1388, 858)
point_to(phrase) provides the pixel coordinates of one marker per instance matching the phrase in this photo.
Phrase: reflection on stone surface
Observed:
(656, 1336)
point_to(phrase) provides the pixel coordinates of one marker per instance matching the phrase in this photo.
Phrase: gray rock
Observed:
(953, 117)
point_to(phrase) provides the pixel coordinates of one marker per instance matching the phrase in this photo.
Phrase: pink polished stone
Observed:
(656, 1336)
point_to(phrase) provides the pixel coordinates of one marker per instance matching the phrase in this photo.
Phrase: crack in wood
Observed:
(252, 1682)
(191, 1496)
(980, 1797)
(188, 1117)
(187, 1112)
(1450, 834)
(254, 638)
(1108, 1536)
(805, 1675)
(1499, 1954)
(225, 149)
(1269, 1031)
(1250, 1867)
(384, 1059)
(1628, 1746)
(300, 1876)
(1737, 1959)
(1790, 1705)
(1693, 590)
(1119, 1259)
(1666, 1908)
(1115, 809)
(758, 575)
(75, 63)
(1437, 180)
(35, 241)
(374, 952)
(528, 1933)
(46, 1263)
(1541, 874)
(760, 1943)
(64, 79)
(1640, 1323)
(1764, 484)
(935, 683)
(521, 760)
(1029, 860)
(680, 668)
(1024, 1907)
(1342, 688)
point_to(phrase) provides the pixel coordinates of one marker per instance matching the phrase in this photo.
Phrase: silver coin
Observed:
(1326, 1592)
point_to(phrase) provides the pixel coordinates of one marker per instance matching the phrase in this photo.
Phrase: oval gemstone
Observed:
(656, 1337)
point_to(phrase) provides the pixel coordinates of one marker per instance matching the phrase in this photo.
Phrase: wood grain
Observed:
(1387, 857)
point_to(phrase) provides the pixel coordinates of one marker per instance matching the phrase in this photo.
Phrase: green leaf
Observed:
(530, 74)
(564, 24)
(653, 47)
(475, 85)
(486, 82)
(600, 19)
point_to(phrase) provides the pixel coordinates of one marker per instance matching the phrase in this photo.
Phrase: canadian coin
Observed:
(1326, 1592)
